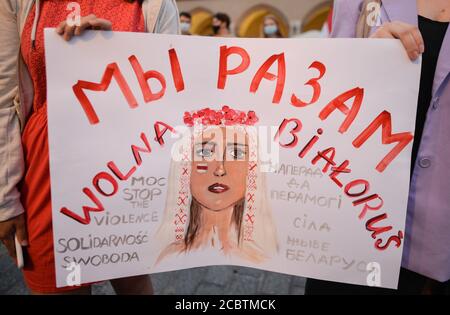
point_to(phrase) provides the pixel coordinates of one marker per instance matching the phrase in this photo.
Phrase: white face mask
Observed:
(185, 27)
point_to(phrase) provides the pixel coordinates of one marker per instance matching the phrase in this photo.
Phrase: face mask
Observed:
(216, 29)
(185, 27)
(270, 29)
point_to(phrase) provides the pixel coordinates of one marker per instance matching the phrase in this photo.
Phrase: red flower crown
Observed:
(225, 116)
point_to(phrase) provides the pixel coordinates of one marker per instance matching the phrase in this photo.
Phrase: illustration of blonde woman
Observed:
(217, 193)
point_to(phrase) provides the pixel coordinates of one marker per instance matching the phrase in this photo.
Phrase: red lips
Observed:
(218, 188)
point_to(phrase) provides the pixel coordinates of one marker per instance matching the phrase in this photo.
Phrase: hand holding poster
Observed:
(171, 152)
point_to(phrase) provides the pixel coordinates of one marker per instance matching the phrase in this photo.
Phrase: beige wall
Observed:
(294, 10)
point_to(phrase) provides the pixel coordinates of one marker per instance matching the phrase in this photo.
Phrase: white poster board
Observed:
(131, 196)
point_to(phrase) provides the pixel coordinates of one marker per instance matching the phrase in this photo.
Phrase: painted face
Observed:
(219, 167)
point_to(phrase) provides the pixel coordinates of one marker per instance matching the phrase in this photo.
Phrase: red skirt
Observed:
(39, 270)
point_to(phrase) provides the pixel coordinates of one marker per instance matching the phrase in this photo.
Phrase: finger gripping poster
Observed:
(173, 152)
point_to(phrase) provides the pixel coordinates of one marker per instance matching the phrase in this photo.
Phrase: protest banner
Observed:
(171, 152)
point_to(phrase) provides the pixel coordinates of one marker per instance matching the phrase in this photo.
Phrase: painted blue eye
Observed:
(237, 153)
(204, 152)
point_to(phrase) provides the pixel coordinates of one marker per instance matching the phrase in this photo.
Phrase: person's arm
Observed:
(345, 18)
(11, 155)
(168, 19)
(408, 34)
(86, 22)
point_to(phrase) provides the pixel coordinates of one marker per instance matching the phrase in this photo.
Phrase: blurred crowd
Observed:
(270, 27)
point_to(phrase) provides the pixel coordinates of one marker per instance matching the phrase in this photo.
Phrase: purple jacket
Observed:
(427, 239)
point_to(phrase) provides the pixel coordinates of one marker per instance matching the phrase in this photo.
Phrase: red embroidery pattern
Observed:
(250, 197)
(181, 215)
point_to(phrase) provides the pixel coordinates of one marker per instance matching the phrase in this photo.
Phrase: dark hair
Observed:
(194, 221)
(186, 14)
(223, 17)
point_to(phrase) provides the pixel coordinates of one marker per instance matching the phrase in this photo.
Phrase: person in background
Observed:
(271, 27)
(221, 25)
(422, 26)
(185, 23)
(25, 203)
